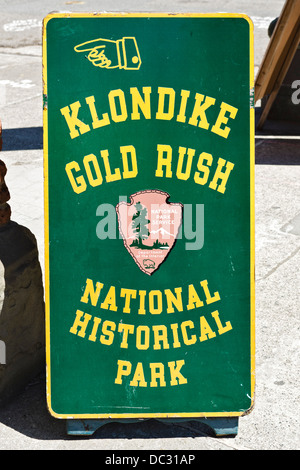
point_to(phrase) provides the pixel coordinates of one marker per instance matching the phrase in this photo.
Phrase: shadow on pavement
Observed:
(22, 138)
(28, 415)
(277, 143)
(277, 151)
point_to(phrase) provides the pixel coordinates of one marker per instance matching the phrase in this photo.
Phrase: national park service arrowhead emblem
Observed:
(149, 226)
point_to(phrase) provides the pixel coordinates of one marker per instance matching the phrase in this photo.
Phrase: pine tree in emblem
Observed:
(139, 225)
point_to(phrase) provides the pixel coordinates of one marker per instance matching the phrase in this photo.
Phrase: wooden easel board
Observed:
(279, 55)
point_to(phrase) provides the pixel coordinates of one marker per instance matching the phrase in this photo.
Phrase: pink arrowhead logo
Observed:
(149, 226)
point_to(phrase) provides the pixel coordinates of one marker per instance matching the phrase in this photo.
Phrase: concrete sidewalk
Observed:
(274, 423)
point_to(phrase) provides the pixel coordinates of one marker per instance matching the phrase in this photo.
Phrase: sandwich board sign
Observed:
(148, 141)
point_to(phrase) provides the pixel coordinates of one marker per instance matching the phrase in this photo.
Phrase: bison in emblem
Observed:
(149, 264)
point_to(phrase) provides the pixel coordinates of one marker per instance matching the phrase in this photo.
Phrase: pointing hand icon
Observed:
(108, 54)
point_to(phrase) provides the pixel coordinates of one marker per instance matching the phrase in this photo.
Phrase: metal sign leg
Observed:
(227, 426)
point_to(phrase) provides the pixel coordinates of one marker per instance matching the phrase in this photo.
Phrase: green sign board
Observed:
(148, 137)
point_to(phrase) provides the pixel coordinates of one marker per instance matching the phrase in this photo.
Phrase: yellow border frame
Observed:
(252, 217)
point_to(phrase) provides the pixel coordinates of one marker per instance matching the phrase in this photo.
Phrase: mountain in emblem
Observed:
(162, 231)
